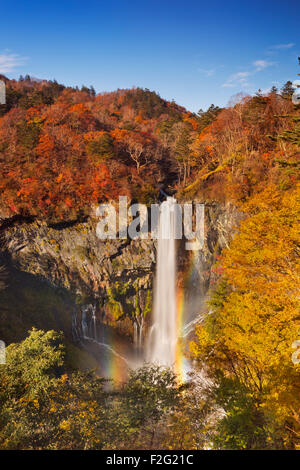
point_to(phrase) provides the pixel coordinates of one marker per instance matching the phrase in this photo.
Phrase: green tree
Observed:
(33, 364)
(43, 405)
(182, 150)
(207, 117)
(102, 148)
(274, 89)
(150, 395)
(287, 90)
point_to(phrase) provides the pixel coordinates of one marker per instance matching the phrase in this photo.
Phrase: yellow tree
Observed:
(250, 337)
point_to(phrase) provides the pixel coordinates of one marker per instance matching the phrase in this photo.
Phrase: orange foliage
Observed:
(46, 146)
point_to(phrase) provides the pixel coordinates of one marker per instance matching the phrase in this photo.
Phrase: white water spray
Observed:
(94, 322)
(161, 347)
(89, 329)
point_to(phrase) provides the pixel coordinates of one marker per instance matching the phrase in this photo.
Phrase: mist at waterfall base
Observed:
(113, 353)
(166, 338)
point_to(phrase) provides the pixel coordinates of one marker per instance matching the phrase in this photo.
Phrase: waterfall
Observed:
(75, 330)
(84, 324)
(89, 329)
(161, 345)
(135, 335)
(88, 321)
(94, 322)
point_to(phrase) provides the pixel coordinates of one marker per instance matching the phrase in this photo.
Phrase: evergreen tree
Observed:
(287, 90)
(274, 90)
(92, 91)
(183, 151)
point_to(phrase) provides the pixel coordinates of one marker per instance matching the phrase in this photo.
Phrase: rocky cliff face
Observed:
(196, 269)
(114, 276)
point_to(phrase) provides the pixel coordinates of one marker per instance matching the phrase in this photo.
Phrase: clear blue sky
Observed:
(194, 52)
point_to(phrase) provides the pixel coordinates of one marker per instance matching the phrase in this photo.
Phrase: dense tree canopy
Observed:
(62, 151)
(246, 341)
(45, 405)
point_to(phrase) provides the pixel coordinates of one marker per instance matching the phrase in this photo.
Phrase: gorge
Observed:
(89, 323)
(102, 291)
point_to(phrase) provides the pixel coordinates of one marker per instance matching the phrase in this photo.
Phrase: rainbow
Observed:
(179, 358)
(113, 365)
(181, 364)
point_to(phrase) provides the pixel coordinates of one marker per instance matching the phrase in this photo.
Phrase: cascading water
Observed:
(88, 322)
(161, 347)
(163, 335)
(88, 330)
(94, 322)
(84, 323)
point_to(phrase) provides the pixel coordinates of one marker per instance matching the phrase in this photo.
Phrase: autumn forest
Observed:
(65, 150)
